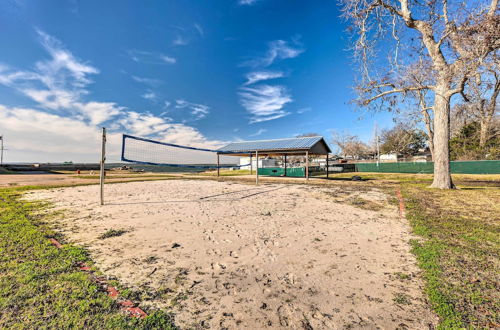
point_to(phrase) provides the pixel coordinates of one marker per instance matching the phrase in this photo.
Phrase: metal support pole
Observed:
(218, 165)
(257, 169)
(251, 165)
(307, 165)
(103, 159)
(285, 164)
(327, 166)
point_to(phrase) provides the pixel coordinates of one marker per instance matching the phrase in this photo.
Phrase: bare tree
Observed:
(350, 145)
(402, 140)
(482, 93)
(445, 38)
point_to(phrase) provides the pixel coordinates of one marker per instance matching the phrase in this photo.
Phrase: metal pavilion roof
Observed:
(283, 145)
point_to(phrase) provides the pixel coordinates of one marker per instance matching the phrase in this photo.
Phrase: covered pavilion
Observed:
(301, 146)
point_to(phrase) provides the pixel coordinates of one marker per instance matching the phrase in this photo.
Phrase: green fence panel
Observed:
(278, 171)
(299, 172)
(476, 167)
(272, 171)
(456, 167)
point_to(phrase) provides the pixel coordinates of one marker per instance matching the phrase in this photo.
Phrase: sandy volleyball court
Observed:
(230, 255)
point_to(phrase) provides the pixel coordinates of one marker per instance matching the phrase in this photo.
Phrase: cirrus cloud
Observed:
(265, 102)
(253, 77)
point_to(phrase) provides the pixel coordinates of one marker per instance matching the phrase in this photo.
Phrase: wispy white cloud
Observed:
(247, 2)
(253, 77)
(180, 41)
(59, 83)
(199, 28)
(63, 119)
(302, 110)
(151, 96)
(168, 59)
(63, 66)
(265, 102)
(276, 50)
(147, 81)
(198, 111)
(259, 132)
(141, 56)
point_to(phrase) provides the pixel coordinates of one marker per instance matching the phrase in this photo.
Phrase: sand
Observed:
(229, 255)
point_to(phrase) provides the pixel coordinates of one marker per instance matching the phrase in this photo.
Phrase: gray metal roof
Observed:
(291, 144)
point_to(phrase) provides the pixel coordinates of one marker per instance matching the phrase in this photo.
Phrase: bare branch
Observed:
(493, 7)
(393, 91)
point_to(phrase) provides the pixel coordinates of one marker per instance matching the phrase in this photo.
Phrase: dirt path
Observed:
(229, 255)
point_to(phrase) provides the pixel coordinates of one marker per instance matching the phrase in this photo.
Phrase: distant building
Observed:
(270, 162)
(392, 157)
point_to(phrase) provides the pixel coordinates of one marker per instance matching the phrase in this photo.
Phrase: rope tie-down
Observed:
(126, 305)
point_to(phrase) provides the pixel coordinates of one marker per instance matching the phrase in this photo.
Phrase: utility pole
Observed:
(103, 159)
(1, 150)
(377, 143)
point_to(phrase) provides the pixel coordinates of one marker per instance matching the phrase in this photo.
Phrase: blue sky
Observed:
(197, 73)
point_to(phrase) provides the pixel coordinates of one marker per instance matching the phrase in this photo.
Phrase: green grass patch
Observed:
(112, 233)
(458, 251)
(402, 276)
(40, 286)
(401, 299)
(365, 204)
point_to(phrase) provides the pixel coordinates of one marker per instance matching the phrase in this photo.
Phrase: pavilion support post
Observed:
(218, 164)
(251, 165)
(307, 165)
(327, 166)
(285, 164)
(257, 167)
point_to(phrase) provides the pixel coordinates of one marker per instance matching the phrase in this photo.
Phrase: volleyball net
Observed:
(150, 152)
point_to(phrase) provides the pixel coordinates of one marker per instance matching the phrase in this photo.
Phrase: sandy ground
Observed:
(229, 255)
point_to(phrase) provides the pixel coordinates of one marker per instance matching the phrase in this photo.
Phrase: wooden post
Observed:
(257, 167)
(103, 159)
(327, 166)
(285, 164)
(307, 165)
(218, 165)
(251, 165)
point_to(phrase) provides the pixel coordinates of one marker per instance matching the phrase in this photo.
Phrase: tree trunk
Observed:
(431, 146)
(484, 133)
(430, 135)
(430, 132)
(442, 175)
